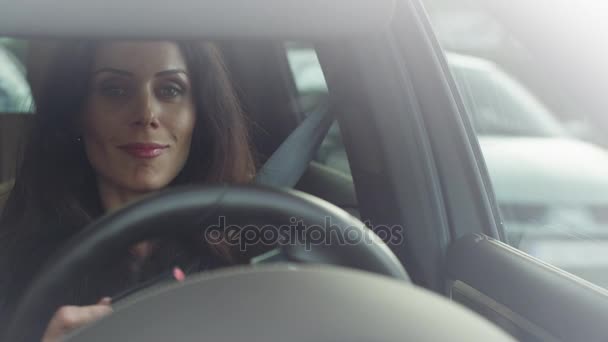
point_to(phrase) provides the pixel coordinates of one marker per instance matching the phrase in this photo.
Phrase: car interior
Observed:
(414, 162)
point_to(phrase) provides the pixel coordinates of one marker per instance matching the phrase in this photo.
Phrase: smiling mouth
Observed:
(144, 150)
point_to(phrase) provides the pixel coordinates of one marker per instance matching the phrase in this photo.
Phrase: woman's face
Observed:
(139, 116)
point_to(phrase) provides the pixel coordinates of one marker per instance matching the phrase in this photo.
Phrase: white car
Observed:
(551, 187)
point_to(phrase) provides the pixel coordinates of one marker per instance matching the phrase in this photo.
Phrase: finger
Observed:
(68, 318)
(78, 316)
(92, 313)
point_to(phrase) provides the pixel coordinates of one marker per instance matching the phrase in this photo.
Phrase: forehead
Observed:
(138, 57)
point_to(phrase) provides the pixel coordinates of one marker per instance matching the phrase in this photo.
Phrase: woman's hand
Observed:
(69, 318)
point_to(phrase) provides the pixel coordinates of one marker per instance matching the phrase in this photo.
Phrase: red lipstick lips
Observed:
(144, 150)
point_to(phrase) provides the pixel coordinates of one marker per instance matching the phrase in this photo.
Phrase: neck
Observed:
(113, 197)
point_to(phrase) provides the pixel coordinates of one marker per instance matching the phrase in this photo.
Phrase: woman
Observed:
(116, 121)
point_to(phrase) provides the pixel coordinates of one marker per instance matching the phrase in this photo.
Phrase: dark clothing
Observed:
(119, 277)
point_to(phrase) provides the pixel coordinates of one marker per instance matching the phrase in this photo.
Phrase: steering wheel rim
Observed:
(155, 215)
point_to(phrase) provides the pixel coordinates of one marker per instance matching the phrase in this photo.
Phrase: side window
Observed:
(311, 96)
(15, 95)
(15, 106)
(542, 143)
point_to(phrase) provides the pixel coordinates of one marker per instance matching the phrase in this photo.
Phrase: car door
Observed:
(529, 298)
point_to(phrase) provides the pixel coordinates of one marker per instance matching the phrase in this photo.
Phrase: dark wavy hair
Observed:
(55, 193)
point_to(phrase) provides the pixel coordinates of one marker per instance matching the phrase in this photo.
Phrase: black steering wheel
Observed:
(184, 209)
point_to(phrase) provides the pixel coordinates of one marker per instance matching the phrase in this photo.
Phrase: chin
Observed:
(148, 184)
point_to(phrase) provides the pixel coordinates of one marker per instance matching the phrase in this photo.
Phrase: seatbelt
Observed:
(288, 163)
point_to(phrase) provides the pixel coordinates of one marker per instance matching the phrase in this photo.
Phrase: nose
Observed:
(146, 111)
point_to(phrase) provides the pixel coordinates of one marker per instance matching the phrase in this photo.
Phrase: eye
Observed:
(170, 91)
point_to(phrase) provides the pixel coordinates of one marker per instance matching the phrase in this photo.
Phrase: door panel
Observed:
(530, 299)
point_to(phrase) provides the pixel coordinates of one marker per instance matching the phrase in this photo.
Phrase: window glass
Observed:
(538, 110)
(15, 95)
(312, 95)
(306, 69)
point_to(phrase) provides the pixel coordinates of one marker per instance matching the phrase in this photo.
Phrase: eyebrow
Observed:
(114, 71)
(128, 73)
(172, 71)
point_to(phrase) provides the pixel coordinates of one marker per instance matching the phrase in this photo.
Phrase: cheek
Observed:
(98, 127)
(101, 132)
(181, 127)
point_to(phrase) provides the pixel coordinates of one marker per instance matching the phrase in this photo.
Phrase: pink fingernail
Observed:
(178, 274)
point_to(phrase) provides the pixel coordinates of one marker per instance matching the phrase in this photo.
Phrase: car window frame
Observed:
(427, 194)
(467, 190)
